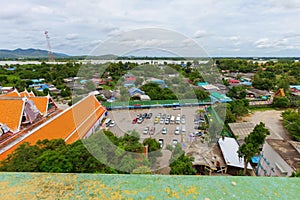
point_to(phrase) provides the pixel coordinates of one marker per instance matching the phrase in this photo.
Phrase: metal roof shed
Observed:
(229, 148)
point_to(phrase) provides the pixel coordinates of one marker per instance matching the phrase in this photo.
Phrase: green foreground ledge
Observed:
(107, 186)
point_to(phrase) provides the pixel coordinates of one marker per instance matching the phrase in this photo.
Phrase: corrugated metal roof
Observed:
(229, 148)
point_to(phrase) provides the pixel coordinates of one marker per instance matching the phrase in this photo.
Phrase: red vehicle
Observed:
(134, 121)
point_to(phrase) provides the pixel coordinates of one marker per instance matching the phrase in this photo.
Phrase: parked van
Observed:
(183, 129)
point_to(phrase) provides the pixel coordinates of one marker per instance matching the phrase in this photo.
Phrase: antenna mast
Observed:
(50, 54)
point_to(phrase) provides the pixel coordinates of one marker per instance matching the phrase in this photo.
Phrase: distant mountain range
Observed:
(28, 53)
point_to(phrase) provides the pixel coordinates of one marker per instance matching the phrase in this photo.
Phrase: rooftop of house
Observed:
(259, 92)
(295, 86)
(206, 155)
(286, 150)
(242, 129)
(229, 148)
(210, 87)
(117, 186)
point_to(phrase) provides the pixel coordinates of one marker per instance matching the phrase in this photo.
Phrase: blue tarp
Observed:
(255, 159)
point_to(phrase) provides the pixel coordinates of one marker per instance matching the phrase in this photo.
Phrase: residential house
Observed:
(295, 90)
(135, 92)
(210, 88)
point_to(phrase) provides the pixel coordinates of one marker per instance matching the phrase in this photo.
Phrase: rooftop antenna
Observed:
(50, 54)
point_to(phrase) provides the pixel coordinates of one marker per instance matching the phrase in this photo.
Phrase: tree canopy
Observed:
(180, 163)
(253, 143)
(291, 121)
(117, 155)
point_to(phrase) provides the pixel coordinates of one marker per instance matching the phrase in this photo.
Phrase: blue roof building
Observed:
(35, 81)
(246, 83)
(129, 85)
(158, 81)
(39, 86)
(135, 91)
(295, 86)
(202, 83)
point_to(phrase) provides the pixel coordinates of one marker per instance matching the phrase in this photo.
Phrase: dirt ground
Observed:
(272, 120)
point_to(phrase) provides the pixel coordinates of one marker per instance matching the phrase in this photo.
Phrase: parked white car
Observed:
(177, 130)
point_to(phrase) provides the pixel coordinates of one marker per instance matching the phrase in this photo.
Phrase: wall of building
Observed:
(95, 127)
(270, 163)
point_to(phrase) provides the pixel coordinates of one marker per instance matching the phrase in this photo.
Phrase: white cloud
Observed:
(201, 34)
(41, 10)
(72, 36)
(263, 43)
(220, 26)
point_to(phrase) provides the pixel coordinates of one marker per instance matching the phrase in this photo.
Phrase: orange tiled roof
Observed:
(31, 94)
(24, 94)
(71, 125)
(11, 110)
(14, 93)
(41, 103)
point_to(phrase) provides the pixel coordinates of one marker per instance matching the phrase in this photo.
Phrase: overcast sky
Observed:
(221, 27)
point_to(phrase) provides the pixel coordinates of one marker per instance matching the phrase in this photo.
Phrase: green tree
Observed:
(23, 159)
(239, 107)
(252, 143)
(66, 92)
(124, 94)
(153, 149)
(139, 81)
(281, 102)
(237, 92)
(180, 163)
(297, 173)
(201, 95)
(183, 166)
(54, 161)
(291, 121)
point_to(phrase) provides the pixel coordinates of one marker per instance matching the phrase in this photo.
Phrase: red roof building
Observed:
(233, 81)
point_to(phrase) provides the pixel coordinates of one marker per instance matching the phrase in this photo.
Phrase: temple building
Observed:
(25, 117)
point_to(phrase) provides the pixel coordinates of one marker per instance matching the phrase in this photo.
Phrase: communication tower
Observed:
(50, 53)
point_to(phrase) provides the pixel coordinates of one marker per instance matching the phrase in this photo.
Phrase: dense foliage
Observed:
(238, 107)
(83, 156)
(281, 102)
(21, 76)
(180, 163)
(155, 92)
(291, 121)
(237, 92)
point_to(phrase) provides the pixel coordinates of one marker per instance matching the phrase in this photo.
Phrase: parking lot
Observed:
(123, 123)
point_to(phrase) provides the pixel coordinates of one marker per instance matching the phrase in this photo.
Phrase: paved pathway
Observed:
(273, 121)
